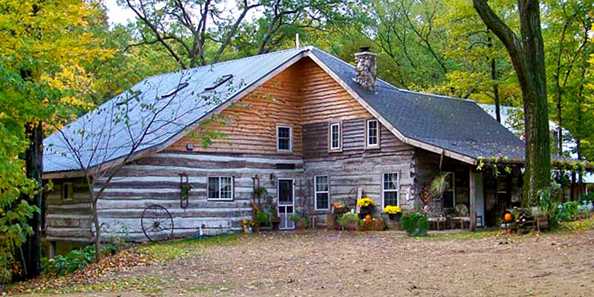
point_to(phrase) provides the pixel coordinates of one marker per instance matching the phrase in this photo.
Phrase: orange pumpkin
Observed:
(507, 217)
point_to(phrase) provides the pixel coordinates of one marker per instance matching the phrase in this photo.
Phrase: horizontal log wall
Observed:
(346, 176)
(68, 220)
(155, 180)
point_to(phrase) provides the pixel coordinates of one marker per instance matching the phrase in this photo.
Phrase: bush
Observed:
(569, 211)
(415, 223)
(348, 219)
(262, 218)
(549, 206)
(73, 260)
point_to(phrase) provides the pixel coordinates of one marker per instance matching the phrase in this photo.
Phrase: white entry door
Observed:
(286, 194)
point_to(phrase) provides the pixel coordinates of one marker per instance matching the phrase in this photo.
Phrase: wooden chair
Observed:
(461, 215)
(435, 218)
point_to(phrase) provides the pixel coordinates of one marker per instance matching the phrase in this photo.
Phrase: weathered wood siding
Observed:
(68, 220)
(155, 180)
(323, 98)
(249, 125)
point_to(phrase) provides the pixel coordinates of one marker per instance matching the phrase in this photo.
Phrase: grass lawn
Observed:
(323, 263)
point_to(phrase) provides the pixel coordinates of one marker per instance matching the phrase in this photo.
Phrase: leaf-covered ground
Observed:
(345, 264)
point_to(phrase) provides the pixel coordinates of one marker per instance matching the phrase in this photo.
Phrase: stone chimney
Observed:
(366, 68)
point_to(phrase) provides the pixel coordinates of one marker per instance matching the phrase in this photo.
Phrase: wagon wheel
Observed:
(157, 223)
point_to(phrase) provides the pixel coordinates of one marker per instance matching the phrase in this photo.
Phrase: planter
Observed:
(366, 210)
(331, 222)
(352, 226)
(395, 216)
(300, 225)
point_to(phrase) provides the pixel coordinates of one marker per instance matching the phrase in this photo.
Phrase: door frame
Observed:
(290, 224)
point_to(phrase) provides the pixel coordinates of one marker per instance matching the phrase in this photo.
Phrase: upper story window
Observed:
(284, 139)
(335, 137)
(372, 134)
(220, 188)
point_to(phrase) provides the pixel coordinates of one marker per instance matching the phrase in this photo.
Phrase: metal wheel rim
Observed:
(157, 223)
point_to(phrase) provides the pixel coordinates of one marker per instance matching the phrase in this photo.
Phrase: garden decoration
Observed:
(184, 193)
(366, 206)
(157, 223)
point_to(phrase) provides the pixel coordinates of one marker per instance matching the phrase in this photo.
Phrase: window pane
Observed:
(335, 136)
(322, 201)
(213, 187)
(226, 188)
(284, 138)
(372, 132)
(448, 199)
(321, 183)
(390, 180)
(390, 198)
(285, 191)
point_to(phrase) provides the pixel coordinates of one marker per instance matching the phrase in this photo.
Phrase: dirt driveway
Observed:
(375, 264)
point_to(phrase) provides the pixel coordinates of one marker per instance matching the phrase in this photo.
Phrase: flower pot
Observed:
(365, 210)
(352, 226)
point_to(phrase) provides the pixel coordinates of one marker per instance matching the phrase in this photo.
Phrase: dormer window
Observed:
(335, 137)
(284, 138)
(372, 134)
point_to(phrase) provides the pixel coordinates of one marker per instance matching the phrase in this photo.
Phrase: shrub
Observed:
(569, 211)
(415, 223)
(73, 260)
(549, 206)
(262, 218)
(348, 219)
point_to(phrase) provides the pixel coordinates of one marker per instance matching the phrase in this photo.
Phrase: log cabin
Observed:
(307, 126)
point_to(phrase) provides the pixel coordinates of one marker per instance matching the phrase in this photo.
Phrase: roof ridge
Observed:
(393, 86)
(222, 62)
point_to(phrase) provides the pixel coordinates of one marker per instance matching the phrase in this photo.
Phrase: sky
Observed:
(118, 14)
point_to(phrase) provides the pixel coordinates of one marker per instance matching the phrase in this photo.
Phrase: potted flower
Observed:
(366, 206)
(300, 221)
(348, 221)
(393, 211)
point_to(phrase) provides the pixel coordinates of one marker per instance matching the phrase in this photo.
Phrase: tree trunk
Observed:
(527, 55)
(496, 90)
(34, 170)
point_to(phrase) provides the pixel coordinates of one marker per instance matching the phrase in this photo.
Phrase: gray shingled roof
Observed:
(453, 124)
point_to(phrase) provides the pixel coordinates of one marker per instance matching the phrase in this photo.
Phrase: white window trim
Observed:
(290, 138)
(367, 145)
(453, 189)
(397, 190)
(220, 188)
(316, 192)
(339, 147)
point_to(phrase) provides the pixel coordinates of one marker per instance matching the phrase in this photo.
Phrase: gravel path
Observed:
(382, 264)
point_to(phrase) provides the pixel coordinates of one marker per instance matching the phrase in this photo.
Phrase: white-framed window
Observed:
(372, 134)
(335, 137)
(284, 138)
(220, 188)
(390, 186)
(449, 194)
(67, 191)
(321, 192)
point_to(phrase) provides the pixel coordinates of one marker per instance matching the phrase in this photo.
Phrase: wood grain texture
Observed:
(302, 94)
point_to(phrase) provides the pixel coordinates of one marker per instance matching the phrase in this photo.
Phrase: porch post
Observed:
(472, 198)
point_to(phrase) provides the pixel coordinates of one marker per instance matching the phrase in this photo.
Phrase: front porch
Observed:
(471, 197)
